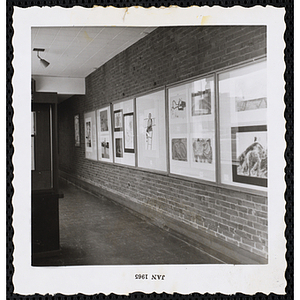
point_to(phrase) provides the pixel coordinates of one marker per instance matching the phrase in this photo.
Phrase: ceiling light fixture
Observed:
(43, 61)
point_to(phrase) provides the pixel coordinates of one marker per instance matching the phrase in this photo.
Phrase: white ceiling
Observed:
(77, 51)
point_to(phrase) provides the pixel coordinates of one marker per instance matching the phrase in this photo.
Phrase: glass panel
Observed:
(192, 129)
(243, 126)
(151, 127)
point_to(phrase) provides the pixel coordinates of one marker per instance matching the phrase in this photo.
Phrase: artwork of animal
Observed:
(253, 161)
(202, 150)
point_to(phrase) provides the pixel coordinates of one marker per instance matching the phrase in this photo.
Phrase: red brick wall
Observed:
(165, 56)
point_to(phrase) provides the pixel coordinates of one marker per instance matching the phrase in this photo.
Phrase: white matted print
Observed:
(90, 135)
(77, 130)
(104, 134)
(124, 151)
(151, 131)
(185, 279)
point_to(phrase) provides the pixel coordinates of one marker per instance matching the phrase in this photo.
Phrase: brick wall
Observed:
(165, 56)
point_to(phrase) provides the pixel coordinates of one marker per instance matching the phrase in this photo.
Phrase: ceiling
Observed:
(75, 52)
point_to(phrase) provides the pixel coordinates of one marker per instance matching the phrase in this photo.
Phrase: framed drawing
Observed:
(77, 130)
(151, 131)
(118, 120)
(243, 113)
(119, 147)
(90, 135)
(178, 107)
(104, 134)
(202, 150)
(149, 126)
(201, 103)
(252, 104)
(250, 155)
(104, 148)
(103, 120)
(128, 133)
(179, 149)
(192, 139)
(123, 132)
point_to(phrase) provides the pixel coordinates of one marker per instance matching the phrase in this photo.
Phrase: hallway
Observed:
(97, 231)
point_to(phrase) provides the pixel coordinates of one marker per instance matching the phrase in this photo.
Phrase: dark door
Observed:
(42, 165)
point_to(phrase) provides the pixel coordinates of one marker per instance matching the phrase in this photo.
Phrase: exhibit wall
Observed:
(165, 98)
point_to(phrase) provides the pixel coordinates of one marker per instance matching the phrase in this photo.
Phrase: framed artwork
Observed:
(179, 149)
(104, 134)
(90, 135)
(178, 107)
(118, 120)
(201, 103)
(192, 138)
(250, 155)
(149, 131)
(202, 150)
(252, 104)
(77, 130)
(103, 121)
(104, 148)
(128, 133)
(123, 132)
(119, 147)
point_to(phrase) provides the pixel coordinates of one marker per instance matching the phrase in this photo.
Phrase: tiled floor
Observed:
(96, 231)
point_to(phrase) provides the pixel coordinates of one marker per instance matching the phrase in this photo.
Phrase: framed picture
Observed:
(77, 130)
(178, 107)
(151, 131)
(201, 103)
(250, 155)
(118, 120)
(128, 133)
(103, 121)
(149, 123)
(179, 149)
(90, 135)
(252, 104)
(104, 148)
(104, 137)
(202, 150)
(119, 147)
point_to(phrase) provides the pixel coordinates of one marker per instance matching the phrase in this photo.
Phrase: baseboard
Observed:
(225, 252)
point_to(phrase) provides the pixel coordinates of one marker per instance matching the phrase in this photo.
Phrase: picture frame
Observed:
(250, 155)
(104, 122)
(90, 135)
(179, 149)
(251, 104)
(119, 147)
(77, 130)
(118, 120)
(104, 134)
(201, 103)
(128, 123)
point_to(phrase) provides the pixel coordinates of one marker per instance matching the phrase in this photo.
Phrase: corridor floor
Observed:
(97, 231)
